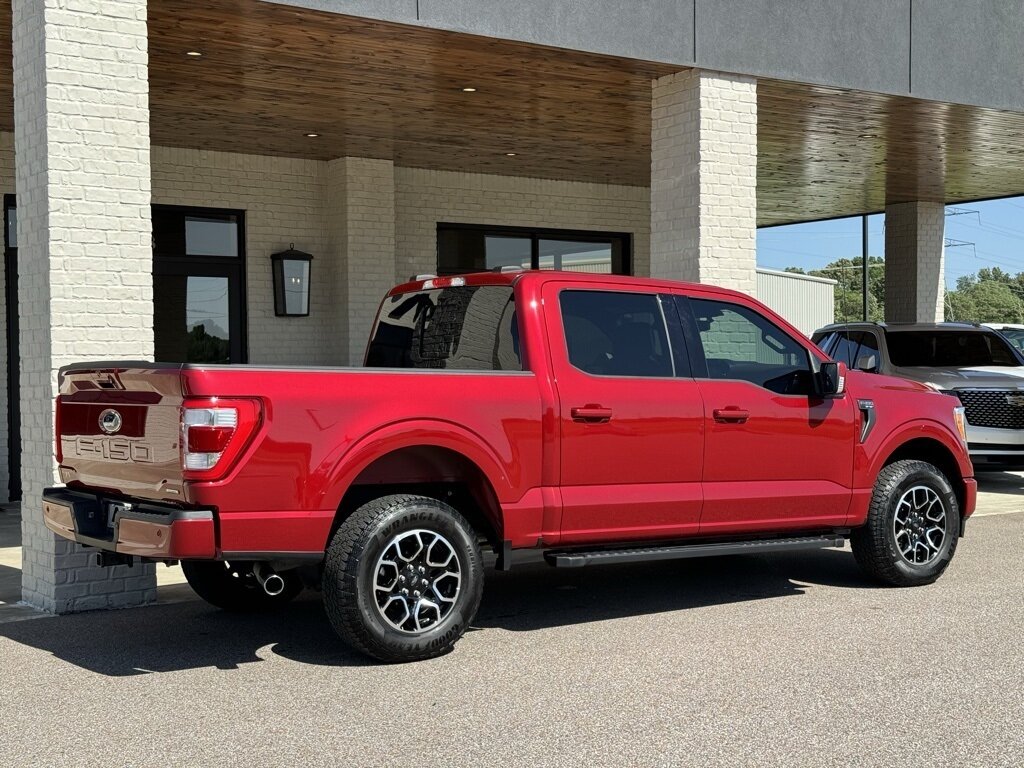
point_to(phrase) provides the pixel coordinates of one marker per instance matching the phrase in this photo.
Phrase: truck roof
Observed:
(427, 282)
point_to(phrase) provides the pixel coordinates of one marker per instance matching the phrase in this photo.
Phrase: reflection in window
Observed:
(211, 237)
(573, 256)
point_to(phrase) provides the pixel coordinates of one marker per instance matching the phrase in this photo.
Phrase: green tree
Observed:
(991, 296)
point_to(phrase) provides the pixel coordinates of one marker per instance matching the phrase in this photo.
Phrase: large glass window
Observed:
(739, 343)
(467, 328)
(198, 285)
(609, 333)
(465, 248)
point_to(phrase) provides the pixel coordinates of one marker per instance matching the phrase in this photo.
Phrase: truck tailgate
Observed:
(119, 428)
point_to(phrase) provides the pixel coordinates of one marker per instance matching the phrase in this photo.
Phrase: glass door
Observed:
(198, 285)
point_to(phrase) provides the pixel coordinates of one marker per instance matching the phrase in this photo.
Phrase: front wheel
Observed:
(912, 526)
(403, 578)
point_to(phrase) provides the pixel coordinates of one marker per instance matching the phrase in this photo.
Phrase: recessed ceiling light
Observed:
(312, 135)
(193, 53)
(469, 89)
(511, 154)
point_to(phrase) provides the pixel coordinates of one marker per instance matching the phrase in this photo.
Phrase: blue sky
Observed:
(992, 233)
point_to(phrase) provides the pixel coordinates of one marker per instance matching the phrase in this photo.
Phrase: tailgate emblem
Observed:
(110, 421)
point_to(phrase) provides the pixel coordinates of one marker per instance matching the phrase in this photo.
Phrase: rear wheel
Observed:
(403, 578)
(234, 586)
(912, 527)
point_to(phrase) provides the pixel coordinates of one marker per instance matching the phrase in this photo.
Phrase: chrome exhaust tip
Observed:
(271, 581)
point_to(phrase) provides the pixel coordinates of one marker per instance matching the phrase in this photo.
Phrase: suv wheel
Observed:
(912, 526)
(403, 578)
(234, 586)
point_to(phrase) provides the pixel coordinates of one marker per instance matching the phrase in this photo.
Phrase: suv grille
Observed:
(999, 408)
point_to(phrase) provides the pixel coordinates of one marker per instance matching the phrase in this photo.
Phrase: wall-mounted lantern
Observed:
(291, 282)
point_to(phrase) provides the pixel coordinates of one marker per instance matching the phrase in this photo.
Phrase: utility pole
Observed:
(864, 262)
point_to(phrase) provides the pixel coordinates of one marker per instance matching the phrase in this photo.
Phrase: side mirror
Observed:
(831, 379)
(867, 363)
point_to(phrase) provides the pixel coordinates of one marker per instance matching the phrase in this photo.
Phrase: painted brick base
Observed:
(704, 179)
(915, 279)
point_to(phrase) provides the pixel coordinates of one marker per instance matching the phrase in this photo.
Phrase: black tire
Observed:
(875, 544)
(233, 586)
(351, 575)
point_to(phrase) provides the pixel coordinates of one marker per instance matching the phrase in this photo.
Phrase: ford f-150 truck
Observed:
(599, 419)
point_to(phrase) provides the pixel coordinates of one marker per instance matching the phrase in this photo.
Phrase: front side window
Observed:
(741, 344)
(948, 349)
(609, 333)
(464, 328)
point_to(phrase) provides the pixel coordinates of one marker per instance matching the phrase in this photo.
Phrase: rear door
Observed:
(776, 456)
(631, 418)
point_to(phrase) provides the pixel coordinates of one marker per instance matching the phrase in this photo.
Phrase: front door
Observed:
(776, 456)
(630, 415)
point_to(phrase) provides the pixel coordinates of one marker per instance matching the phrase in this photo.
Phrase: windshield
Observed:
(949, 349)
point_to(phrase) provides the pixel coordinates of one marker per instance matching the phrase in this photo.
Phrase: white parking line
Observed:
(993, 514)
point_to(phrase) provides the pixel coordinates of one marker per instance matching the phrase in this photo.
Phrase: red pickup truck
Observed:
(599, 419)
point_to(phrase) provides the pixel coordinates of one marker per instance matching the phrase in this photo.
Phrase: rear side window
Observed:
(608, 333)
(464, 328)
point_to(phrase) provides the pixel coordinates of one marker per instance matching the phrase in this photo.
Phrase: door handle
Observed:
(731, 415)
(595, 414)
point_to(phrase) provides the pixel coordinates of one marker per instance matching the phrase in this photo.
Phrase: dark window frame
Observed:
(536, 234)
(13, 357)
(234, 268)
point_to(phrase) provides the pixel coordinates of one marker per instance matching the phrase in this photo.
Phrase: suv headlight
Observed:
(961, 422)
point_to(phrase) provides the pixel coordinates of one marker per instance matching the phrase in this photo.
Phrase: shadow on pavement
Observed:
(191, 635)
(1011, 483)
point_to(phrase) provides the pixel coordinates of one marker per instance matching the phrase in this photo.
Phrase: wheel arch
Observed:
(934, 451)
(443, 461)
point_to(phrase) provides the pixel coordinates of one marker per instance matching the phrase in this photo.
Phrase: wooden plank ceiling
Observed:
(269, 74)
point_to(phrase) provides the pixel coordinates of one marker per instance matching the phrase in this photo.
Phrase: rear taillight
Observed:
(58, 447)
(214, 433)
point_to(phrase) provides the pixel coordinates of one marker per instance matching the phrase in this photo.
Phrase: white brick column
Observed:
(361, 244)
(704, 178)
(81, 104)
(915, 280)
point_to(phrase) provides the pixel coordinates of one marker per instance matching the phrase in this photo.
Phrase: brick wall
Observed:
(85, 286)
(704, 179)
(423, 198)
(914, 262)
(284, 202)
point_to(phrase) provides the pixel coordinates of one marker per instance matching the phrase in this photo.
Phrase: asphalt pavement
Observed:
(789, 659)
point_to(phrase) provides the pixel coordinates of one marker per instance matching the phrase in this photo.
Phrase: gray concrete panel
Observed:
(653, 30)
(862, 44)
(969, 52)
(403, 11)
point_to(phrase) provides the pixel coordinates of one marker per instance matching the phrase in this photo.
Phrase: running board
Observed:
(580, 558)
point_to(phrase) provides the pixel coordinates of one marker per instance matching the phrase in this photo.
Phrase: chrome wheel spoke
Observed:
(919, 525)
(417, 581)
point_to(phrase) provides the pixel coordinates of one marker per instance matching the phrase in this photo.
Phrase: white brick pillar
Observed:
(361, 244)
(81, 116)
(704, 178)
(915, 280)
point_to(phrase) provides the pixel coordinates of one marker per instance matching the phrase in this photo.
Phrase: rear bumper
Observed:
(141, 529)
